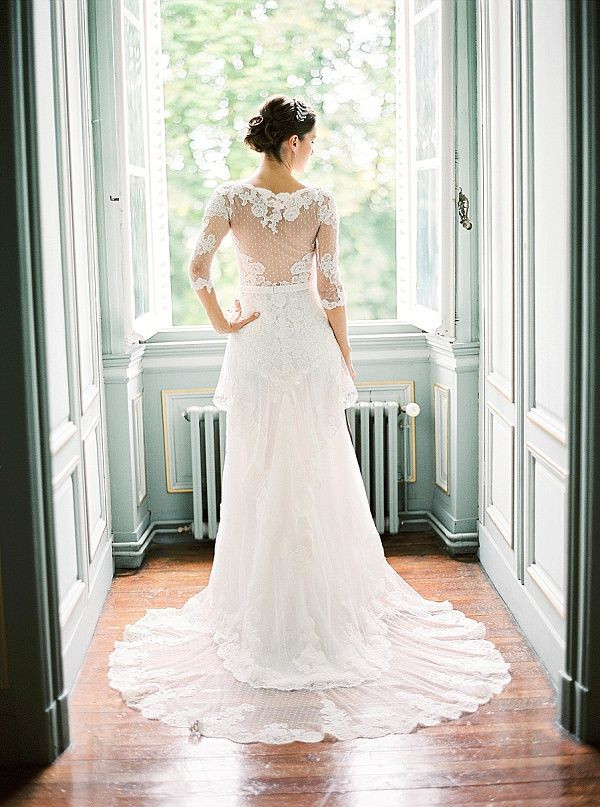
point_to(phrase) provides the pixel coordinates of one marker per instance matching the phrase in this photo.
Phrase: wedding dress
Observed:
(304, 629)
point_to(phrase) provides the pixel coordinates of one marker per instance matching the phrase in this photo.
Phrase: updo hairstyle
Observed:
(279, 117)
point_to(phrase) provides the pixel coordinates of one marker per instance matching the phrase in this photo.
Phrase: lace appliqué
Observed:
(301, 270)
(252, 272)
(271, 208)
(290, 344)
(191, 667)
(326, 210)
(328, 265)
(222, 724)
(201, 282)
(203, 245)
(207, 241)
(329, 281)
(217, 206)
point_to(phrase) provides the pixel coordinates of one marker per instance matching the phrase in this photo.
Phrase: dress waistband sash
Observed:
(273, 287)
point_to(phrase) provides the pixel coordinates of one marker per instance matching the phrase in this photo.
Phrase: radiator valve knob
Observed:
(412, 409)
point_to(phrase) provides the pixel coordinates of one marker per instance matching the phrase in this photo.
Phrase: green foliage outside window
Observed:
(223, 59)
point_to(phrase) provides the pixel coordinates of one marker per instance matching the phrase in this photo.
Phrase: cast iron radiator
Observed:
(380, 433)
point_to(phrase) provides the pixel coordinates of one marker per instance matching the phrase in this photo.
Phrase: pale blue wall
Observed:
(188, 365)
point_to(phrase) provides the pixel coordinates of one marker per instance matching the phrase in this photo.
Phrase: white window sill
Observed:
(372, 343)
(356, 330)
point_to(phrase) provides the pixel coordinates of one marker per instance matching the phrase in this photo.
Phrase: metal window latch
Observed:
(463, 209)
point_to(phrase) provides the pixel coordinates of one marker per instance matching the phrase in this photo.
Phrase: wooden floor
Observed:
(511, 751)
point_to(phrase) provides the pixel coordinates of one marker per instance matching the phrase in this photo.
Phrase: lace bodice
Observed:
(279, 238)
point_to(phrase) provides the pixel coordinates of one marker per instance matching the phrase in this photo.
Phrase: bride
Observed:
(304, 629)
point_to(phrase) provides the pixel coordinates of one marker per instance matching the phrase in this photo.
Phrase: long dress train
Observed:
(304, 630)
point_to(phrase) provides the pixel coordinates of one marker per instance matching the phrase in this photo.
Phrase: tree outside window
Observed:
(221, 61)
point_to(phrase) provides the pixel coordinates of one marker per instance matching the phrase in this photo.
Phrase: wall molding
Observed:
(130, 554)
(441, 435)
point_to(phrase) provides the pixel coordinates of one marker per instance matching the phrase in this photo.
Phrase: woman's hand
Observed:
(236, 321)
(347, 354)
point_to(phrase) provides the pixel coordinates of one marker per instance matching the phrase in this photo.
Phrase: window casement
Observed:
(425, 186)
(425, 217)
(142, 166)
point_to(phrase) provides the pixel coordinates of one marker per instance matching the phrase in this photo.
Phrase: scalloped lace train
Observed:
(304, 629)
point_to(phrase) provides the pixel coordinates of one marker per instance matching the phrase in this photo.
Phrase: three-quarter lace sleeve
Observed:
(215, 226)
(329, 282)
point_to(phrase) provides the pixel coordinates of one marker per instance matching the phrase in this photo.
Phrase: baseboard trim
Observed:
(541, 635)
(457, 543)
(131, 554)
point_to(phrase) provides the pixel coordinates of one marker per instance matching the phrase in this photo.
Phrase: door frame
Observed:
(580, 690)
(31, 679)
(33, 700)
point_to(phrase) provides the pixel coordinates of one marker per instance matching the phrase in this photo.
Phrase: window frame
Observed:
(156, 326)
(440, 322)
(385, 328)
(158, 313)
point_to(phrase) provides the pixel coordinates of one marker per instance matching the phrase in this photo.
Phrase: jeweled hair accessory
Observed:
(300, 109)
(256, 120)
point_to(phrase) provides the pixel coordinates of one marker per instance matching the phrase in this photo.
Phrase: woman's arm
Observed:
(329, 281)
(337, 320)
(215, 226)
(215, 314)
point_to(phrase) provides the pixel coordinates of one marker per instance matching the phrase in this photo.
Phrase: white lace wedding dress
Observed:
(304, 629)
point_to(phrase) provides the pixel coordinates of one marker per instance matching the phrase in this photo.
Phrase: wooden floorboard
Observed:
(511, 751)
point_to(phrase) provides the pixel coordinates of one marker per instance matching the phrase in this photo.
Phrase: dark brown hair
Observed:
(279, 117)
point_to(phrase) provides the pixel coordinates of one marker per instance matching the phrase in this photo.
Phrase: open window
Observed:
(423, 220)
(142, 162)
(425, 188)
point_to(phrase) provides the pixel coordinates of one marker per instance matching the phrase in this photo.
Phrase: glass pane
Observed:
(134, 7)
(421, 4)
(139, 243)
(338, 57)
(426, 83)
(133, 83)
(428, 281)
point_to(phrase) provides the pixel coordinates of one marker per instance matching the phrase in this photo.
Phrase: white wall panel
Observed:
(65, 526)
(79, 134)
(548, 517)
(501, 198)
(550, 212)
(83, 547)
(137, 417)
(441, 423)
(94, 493)
(524, 254)
(50, 230)
(500, 474)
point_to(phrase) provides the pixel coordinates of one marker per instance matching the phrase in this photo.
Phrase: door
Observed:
(524, 259)
(70, 291)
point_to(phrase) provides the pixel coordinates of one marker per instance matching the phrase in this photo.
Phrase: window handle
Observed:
(463, 209)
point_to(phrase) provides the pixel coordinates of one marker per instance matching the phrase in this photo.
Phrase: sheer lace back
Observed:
(279, 238)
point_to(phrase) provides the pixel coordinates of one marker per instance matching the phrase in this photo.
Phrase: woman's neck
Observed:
(274, 176)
